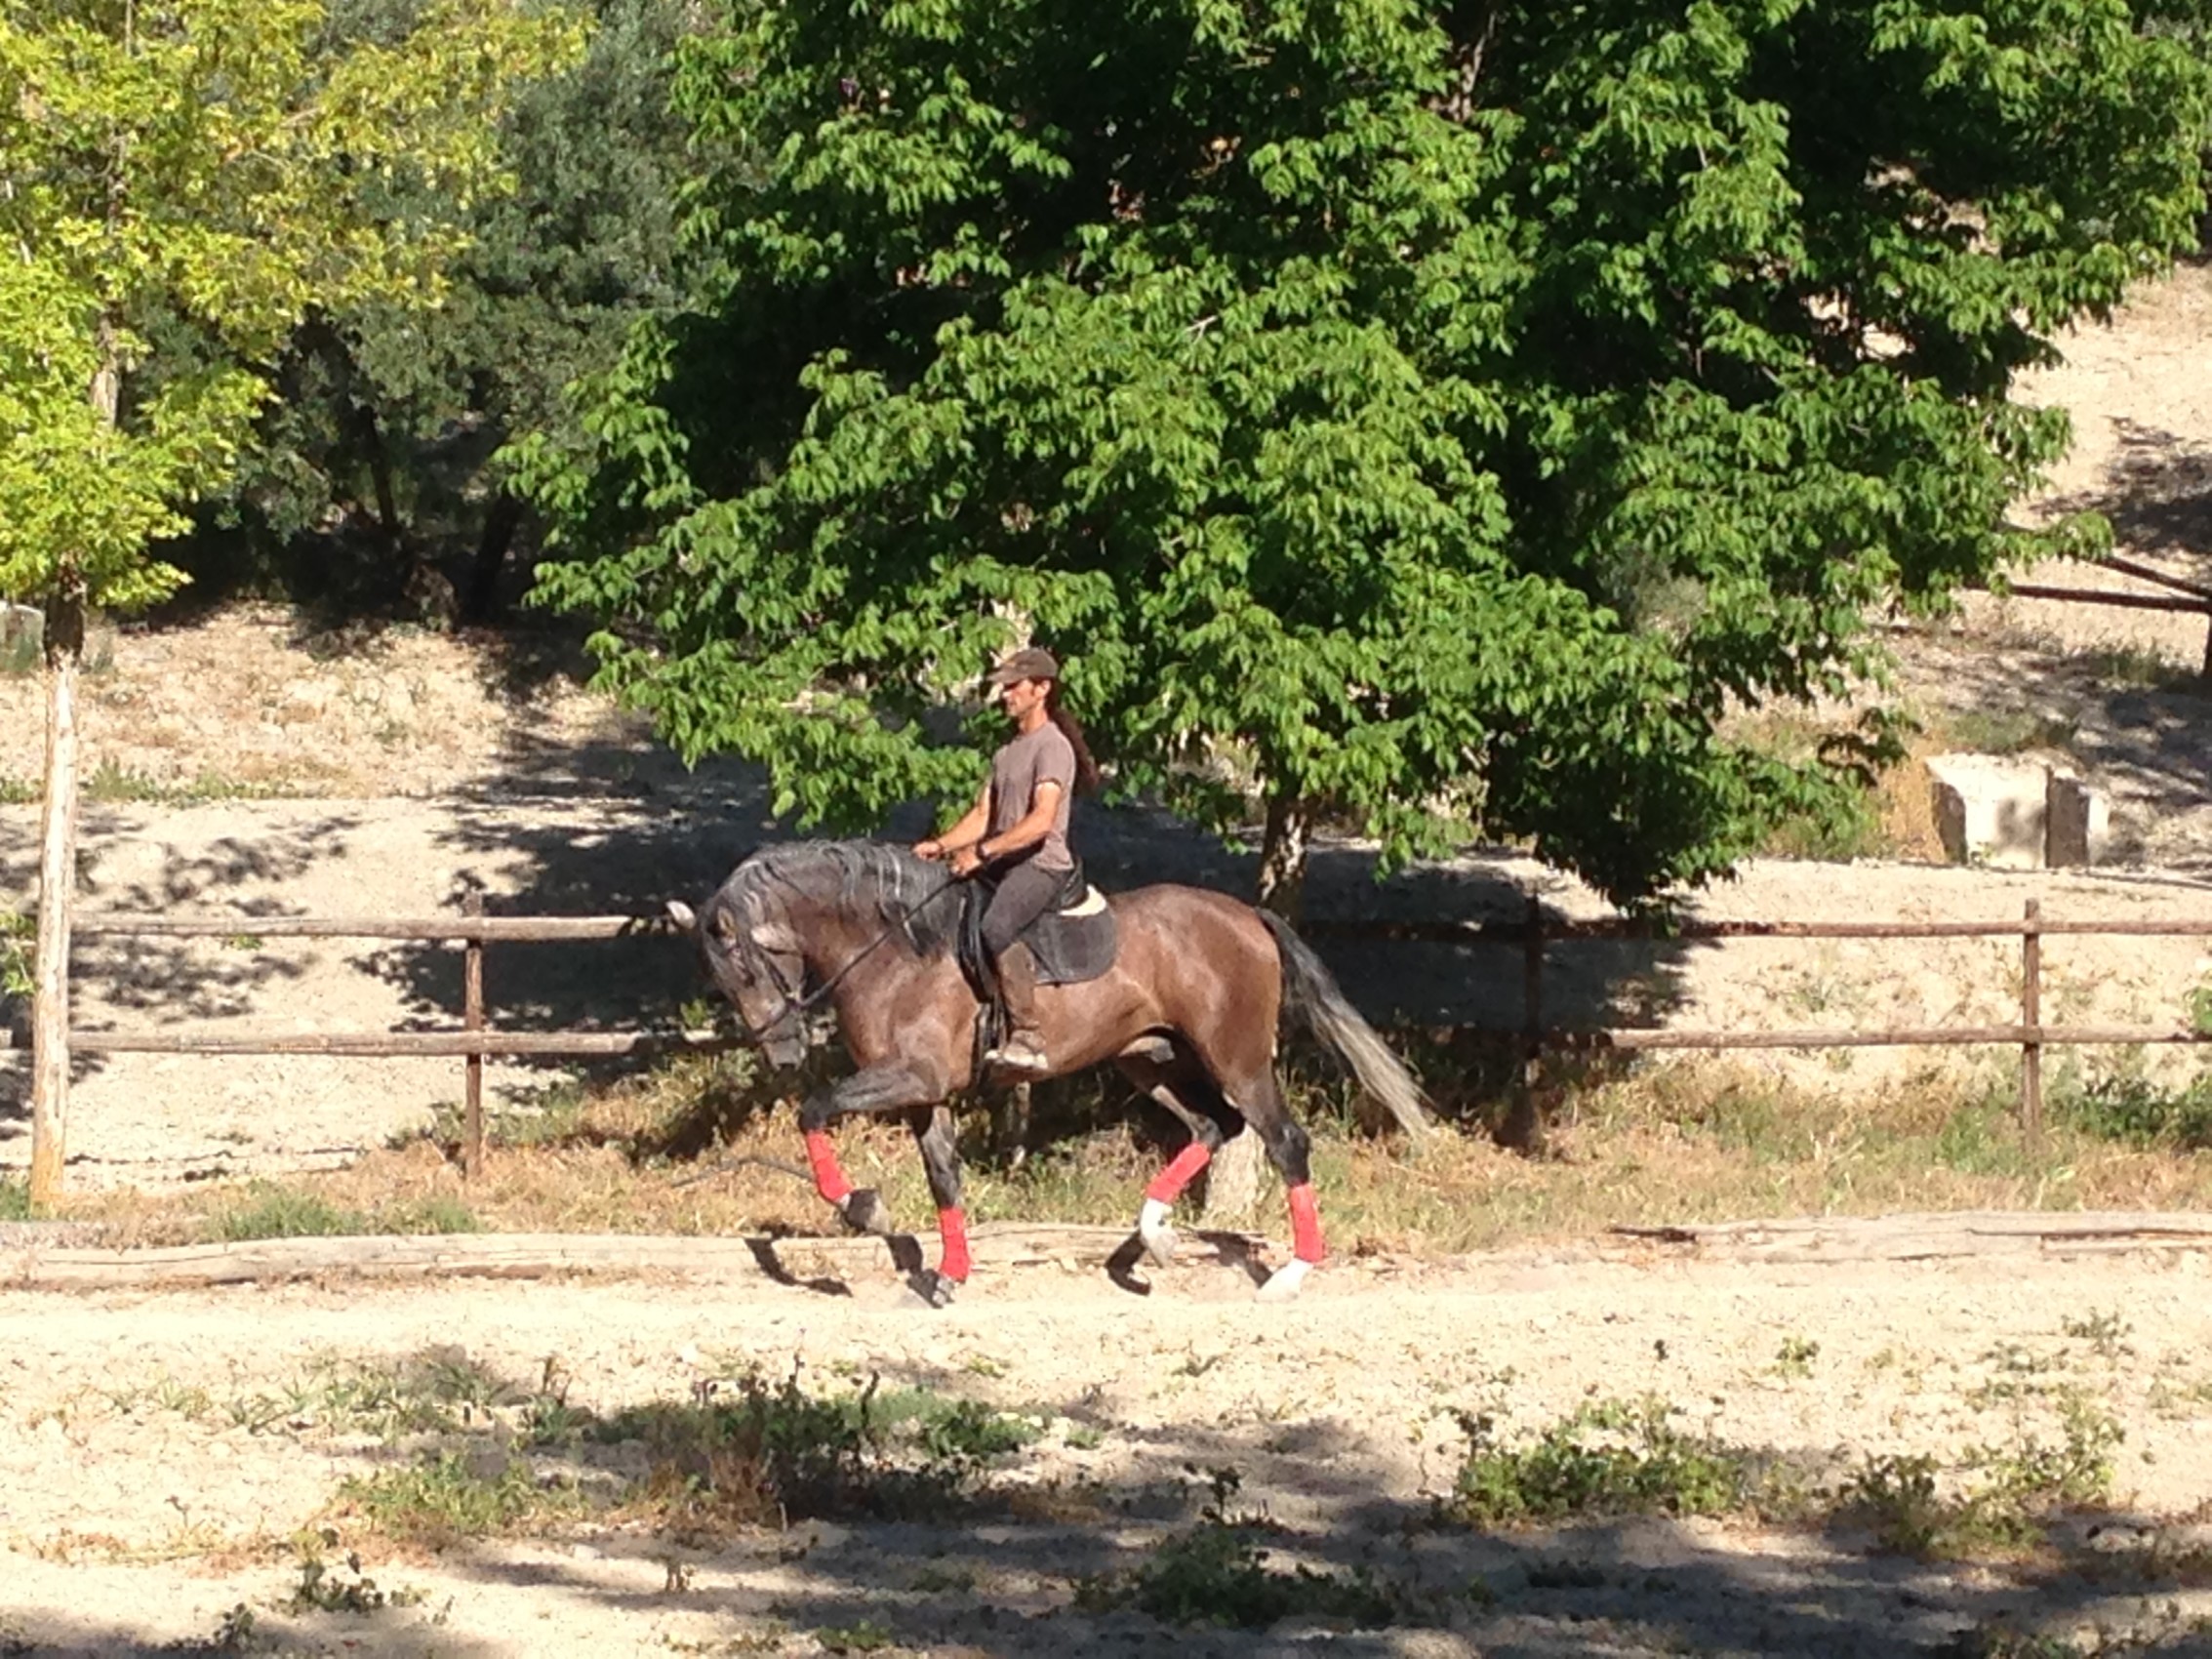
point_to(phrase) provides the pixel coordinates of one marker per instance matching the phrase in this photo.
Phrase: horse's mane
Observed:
(870, 878)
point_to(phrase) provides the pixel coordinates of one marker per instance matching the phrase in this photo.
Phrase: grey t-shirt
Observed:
(1043, 757)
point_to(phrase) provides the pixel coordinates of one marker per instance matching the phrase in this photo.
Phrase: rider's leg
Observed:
(1025, 893)
(875, 1089)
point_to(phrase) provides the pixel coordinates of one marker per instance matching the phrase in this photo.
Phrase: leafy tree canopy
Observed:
(194, 173)
(387, 401)
(1428, 406)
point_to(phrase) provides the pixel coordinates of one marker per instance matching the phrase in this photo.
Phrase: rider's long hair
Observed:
(1086, 768)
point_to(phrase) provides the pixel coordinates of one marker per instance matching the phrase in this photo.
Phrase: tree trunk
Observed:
(482, 605)
(1283, 852)
(1233, 1179)
(57, 886)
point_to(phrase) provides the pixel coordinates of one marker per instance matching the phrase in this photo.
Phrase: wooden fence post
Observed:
(472, 1019)
(2032, 1018)
(1528, 1126)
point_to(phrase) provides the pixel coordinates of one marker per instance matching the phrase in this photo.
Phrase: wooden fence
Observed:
(2182, 598)
(1536, 933)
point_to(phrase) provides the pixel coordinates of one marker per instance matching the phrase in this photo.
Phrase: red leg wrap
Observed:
(952, 1229)
(829, 1179)
(1306, 1224)
(1168, 1184)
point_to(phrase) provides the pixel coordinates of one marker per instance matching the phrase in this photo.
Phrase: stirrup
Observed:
(1017, 1053)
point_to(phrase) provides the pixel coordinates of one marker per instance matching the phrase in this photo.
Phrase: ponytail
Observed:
(1086, 768)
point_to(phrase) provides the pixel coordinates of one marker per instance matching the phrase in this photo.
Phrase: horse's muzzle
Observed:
(783, 1048)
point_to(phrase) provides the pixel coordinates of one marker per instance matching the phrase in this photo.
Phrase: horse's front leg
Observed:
(891, 1087)
(937, 1133)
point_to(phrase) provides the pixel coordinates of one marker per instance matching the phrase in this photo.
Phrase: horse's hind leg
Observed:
(1290, 1149)
(1184, 1088)
(940, 1157)
(1248, 1081)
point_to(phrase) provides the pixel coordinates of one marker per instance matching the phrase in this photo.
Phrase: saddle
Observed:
(1073, 942)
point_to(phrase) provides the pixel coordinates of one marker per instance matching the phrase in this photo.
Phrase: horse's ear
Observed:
(681, 914)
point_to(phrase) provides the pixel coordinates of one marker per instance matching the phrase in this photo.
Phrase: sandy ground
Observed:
(129, 1520)
(409, 771)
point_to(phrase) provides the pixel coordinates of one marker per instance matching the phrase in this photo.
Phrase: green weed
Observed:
(1217, 1573)
(17, 935)
(865, 1637)
(323, 1589)
(441, 1500)
(2135, 1110)
(272, 1210)
(1611, 1458)
(1992, 1501)
(2012, 731)
(1796, 1356)
(14, 1198)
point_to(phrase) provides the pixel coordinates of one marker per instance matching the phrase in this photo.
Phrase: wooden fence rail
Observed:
(1536, 933)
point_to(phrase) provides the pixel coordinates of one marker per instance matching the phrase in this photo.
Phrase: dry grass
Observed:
(692, 1151)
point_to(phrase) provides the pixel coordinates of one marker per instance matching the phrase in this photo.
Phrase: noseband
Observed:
(795, 1007)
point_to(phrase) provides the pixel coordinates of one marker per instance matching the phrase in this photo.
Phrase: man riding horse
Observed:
(1186, 996)
(1015, 837)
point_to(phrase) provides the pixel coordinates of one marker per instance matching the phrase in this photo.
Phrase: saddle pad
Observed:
(1075, 944)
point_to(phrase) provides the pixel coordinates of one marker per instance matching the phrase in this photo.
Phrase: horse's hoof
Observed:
(864, 1211)
(1162, 1245)
(1285, 1283)
(934, 1288)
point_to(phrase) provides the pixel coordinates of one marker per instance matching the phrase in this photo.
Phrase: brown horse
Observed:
(1188, 1011)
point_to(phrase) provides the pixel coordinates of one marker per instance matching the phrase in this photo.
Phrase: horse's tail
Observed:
(1312, 990)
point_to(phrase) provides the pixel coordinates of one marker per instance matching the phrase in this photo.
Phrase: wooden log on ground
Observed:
(1935, 1236)
(545, 1255)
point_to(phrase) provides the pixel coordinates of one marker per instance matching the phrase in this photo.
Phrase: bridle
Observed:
(795, 1007)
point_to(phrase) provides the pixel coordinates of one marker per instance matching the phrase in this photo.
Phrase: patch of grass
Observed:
(1612, 1457)
(1217, 1573)
(324, 1588)
(21, 792)
(18, 934)
(274, 1210)
(14, 1198)
(111, 784)
(756, 1453)
(270, 1210)
(1796, 1356)
(1992, 1501)
(2006, 731)
(443, 1499)
(2137, 1112)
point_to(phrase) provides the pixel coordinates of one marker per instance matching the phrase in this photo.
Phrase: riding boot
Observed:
(1022, 1048)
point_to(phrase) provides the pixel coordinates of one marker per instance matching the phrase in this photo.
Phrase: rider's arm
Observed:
(966, 833)
(1036, 824)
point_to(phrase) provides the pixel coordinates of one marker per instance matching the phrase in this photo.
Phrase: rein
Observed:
(795, 1007)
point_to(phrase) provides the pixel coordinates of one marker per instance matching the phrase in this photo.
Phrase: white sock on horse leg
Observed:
(1152, 1217)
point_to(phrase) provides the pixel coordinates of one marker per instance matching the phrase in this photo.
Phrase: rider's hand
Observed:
(967, 860)
(932, 850)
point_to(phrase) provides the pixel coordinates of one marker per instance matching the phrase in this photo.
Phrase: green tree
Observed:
(1422, 412)
(180, 170)
(388, 416)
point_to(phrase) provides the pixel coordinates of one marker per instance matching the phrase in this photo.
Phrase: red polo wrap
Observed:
(1305, 1224)
(1168, 1184)
(952, 1229)
(829, 1179)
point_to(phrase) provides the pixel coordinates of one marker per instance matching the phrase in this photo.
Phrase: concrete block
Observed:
(2078, 821)
(22, 631)
(1991, 810)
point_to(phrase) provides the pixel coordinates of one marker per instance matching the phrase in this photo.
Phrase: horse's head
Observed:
(756, 963)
